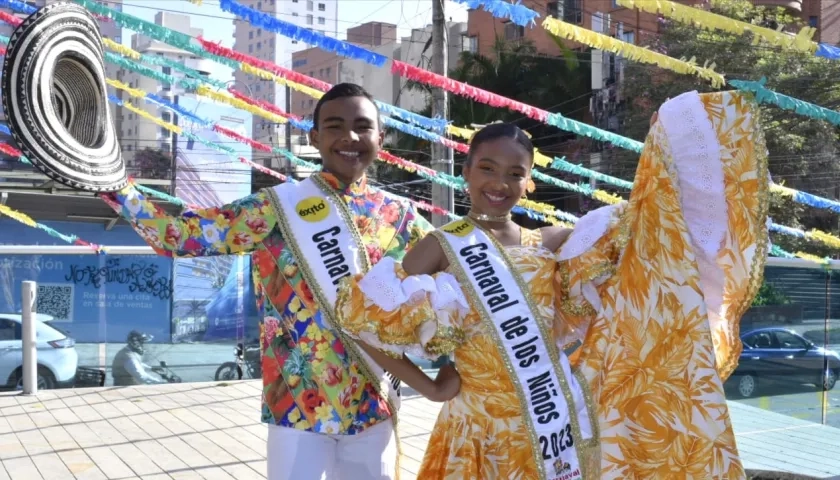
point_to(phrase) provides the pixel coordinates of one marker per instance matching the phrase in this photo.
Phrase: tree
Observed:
(801, 150)
(154, 163)
(517, 71)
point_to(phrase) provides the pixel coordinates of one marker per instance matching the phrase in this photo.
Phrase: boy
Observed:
(329, 407)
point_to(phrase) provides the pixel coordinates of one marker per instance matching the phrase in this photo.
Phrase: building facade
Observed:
(317, 15)
(381, 38)
(416, 49)
(138, 133)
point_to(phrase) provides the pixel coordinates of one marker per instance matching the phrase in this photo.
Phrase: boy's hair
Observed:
(500, 130)
(343, 90)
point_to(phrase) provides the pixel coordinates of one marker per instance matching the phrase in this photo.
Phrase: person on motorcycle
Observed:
(128, 367)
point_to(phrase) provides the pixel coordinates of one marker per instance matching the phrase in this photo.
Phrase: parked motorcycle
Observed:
(247, 356)
(166, 373)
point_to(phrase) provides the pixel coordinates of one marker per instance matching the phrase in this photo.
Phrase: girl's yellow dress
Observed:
(654, 289)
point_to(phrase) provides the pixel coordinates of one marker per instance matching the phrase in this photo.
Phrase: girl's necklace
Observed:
(489, 218)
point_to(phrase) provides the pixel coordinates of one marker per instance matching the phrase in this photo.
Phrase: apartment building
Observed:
(316, 15)
(136, 132)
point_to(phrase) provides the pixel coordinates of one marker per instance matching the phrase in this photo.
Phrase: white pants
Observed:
(299, 455)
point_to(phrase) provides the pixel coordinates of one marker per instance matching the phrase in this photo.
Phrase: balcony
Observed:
(792, 5)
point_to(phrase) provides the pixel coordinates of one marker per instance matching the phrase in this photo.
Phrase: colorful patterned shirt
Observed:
(327, 393)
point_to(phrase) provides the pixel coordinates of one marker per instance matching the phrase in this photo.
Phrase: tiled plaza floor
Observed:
(212, 431)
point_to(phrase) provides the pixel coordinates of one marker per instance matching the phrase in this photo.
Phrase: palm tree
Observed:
(517, 71)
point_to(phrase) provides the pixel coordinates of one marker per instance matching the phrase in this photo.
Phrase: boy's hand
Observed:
(447, 384)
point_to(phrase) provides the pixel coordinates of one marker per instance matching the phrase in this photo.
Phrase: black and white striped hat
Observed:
(54, 94)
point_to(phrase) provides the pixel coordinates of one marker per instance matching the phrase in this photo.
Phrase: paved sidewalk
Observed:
(212, 431)
(173, 431)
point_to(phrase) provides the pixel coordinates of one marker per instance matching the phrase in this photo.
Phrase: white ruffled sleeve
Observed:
(397, 313)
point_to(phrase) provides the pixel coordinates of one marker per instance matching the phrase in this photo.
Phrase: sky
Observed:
(218, 25)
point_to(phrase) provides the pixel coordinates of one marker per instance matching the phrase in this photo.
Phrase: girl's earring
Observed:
(467, 189)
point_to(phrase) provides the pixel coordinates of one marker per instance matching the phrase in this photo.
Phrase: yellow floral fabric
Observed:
(480, 434)
(654, 356)
(657, 331)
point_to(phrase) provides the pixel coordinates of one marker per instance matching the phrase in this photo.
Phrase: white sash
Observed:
(319, 229)
(557, 412)
(323, 237)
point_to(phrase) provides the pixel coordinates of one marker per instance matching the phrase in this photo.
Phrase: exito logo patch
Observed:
(313, 209)
(460, 228)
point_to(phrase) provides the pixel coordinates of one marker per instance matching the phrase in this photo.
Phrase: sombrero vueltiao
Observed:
(54, 94)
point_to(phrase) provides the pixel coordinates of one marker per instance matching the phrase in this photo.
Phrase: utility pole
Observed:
(288, 125)
(442, 157)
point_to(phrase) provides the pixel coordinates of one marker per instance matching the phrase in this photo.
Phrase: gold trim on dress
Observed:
(762, 240)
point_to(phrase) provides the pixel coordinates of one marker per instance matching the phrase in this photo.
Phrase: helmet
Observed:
(136, 341)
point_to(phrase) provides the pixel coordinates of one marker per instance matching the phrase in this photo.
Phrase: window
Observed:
(598, 23)
(629, 37)
(294, 14)
(259, 33)
(259, 5)
(790, 341)
(329, 70)
(250, 49)
(514, 31)
(572, 11)
(322, 21)
(259, 45)
(303, 104)
(469, 44)
(294, 1)
(322, 7)
(309, 19)
(309, 5)
(813, 21)
(321, 72)
(10, 330)
(758, 340)
(166, 116)
(555, 10)
(311, 102)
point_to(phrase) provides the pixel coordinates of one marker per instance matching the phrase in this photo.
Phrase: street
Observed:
(798, 401)
(193, 362)
(198, 362)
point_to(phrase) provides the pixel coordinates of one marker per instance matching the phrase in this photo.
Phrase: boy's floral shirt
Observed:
(327, 393)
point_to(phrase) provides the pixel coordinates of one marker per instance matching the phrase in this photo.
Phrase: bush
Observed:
(769, 295)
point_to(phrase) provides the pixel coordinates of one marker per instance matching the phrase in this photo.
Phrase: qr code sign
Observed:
(55, 300)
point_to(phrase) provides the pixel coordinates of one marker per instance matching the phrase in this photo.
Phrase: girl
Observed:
(653, 289)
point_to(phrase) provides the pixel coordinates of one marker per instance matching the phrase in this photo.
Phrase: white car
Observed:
(57, 356)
